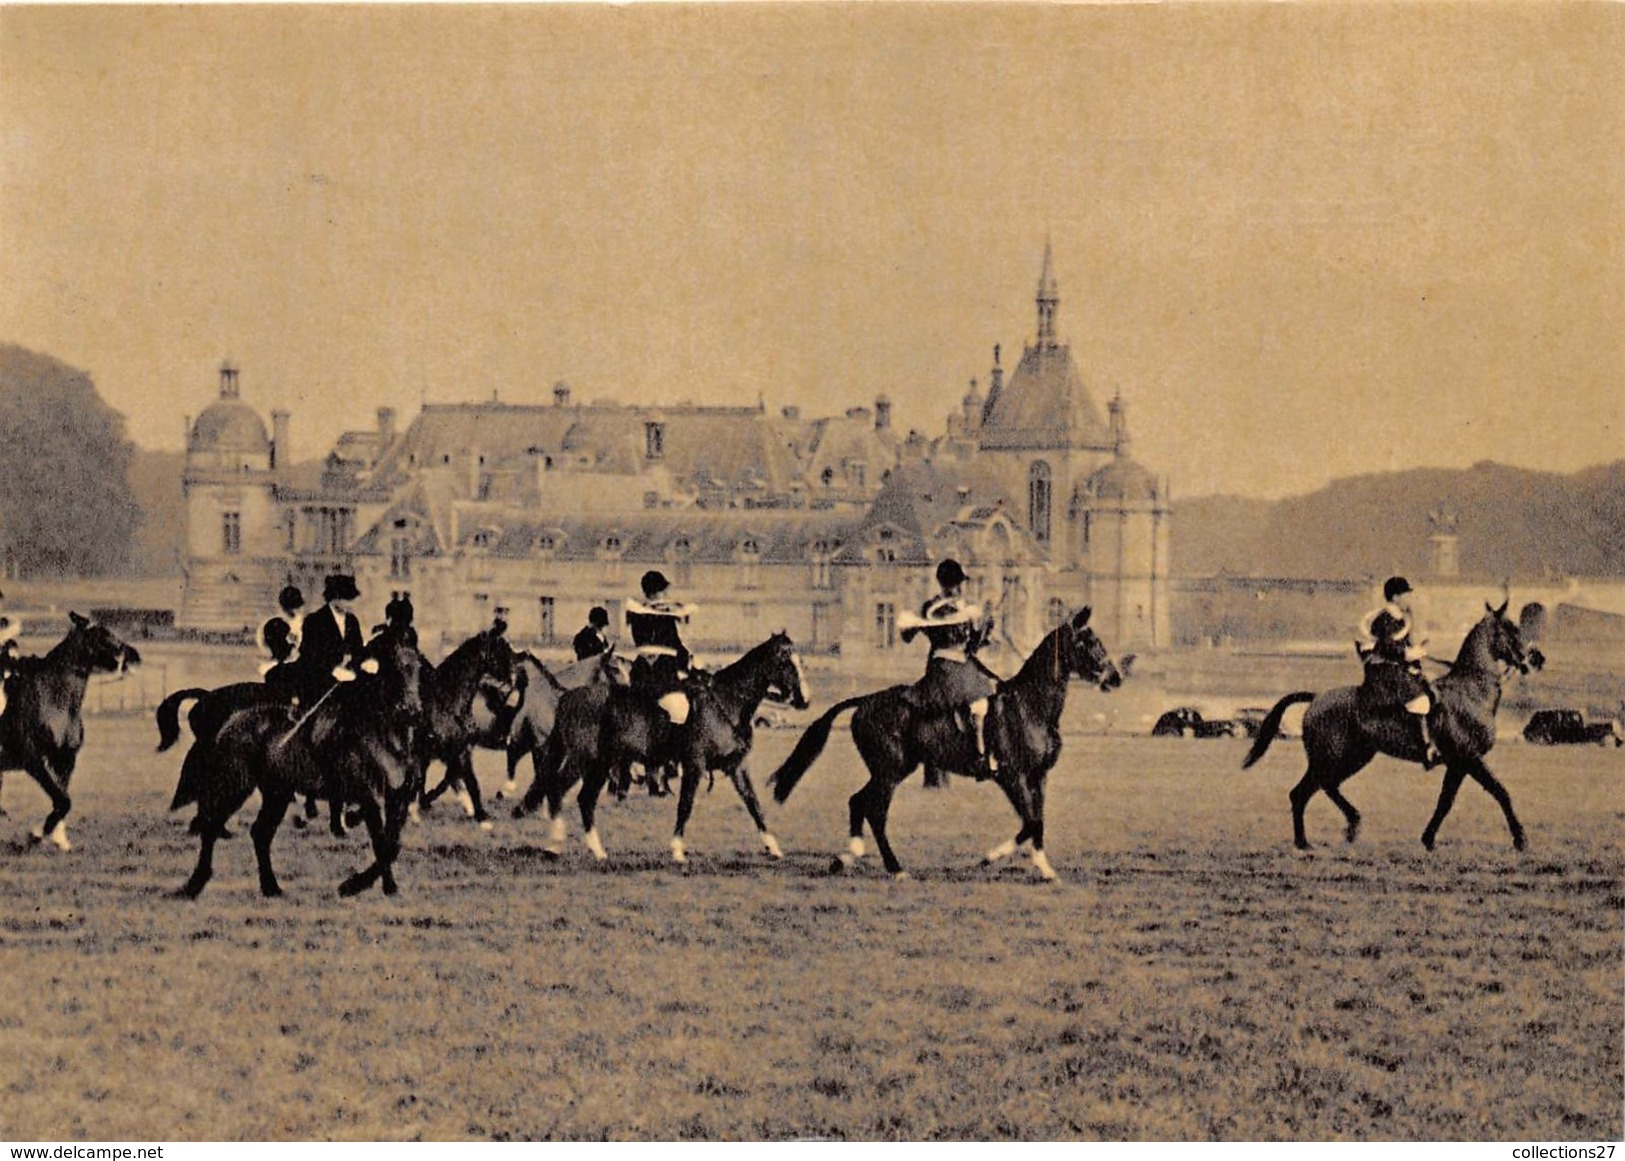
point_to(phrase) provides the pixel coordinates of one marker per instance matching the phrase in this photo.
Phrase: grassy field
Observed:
(1190, 977)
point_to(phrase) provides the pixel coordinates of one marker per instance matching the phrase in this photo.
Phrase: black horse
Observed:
(466, 704)
(1341, 734)
(43, 725)
(210, 711)
(527, 727)
(602, 729)
(366, 732)
(894, 735)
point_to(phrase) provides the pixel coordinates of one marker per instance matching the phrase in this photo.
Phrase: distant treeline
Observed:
(1510, 522)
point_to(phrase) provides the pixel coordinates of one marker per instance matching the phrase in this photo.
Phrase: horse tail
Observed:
(1271, 725)
(784, 779)
(169, 716)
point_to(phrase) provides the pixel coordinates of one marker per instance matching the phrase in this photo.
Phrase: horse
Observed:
(211, 710)
(603, 728)
(1341, 735)
(364, 733)
(530, 725)
(43, 727)
(465, 701)
(895, 734)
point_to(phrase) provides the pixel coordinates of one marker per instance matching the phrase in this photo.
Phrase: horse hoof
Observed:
(350, 887)
(271, 892)
(901, 876)
(771, 845)
(36, 833)
(839, 864)
(552, 853)
(299, 822)
(487, 825)
(392, 888)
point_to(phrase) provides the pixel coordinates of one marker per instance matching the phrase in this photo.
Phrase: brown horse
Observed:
(894, 735)
(524, 732)
(466, 704)
(602, 729)
(43, 725)
(366, 732)
(1341, 734)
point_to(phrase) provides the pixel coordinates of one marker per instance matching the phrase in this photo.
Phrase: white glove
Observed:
(369, 666)
(343, 674)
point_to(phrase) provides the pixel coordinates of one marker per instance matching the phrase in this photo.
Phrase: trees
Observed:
(65, 501)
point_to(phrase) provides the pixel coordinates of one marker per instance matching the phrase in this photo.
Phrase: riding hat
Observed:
(654, 583)
(340, 587)
(1397, 586)
(599, 616)
(950, 574)
(291, 598)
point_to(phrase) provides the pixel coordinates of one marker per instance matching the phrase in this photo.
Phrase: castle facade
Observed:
(826, 527)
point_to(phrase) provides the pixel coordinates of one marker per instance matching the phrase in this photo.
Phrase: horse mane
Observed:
(751, 656)
(541, 667)
(1044, 661)
(1474, 658)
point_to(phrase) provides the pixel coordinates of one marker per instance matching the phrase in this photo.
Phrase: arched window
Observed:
(1038, 501)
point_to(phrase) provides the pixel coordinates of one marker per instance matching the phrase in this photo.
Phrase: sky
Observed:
(1303, 241)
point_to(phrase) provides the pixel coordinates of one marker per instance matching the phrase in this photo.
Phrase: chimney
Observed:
(386, 428)
(882, 413)
(281, 448)
(561, 394)
(228, 380)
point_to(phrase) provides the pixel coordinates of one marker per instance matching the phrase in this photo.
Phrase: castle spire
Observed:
(1048, 299)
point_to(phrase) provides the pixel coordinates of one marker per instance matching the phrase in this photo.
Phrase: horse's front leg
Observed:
(740, 777)
(382, 855)
(1481, 774)
(55, 826)
(397, 807)
(474, 805)
(273, 805)
(592, 784)
(685, 806)
(1019, 802)
(1035, 823)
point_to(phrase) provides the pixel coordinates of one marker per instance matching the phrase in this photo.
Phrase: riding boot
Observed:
(989, 764)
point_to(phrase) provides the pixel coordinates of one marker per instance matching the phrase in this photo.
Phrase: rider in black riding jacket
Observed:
(661, 661)
(953, 681)
(1393, 651)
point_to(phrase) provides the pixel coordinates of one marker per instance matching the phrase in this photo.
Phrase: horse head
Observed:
(98, 648)
(496, 667)
(1084, 655)
(786, 683)
(1506, 641)
(397, 687)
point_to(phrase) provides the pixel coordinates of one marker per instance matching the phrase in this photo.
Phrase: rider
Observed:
(956, 628)
(11, 630)
(591, 642)
(660, 659)
(1393, 651)
(330, 653)
(398, 616)
(279, 641)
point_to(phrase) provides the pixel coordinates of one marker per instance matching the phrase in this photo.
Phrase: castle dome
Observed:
(1124, 479)
(229, 425)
